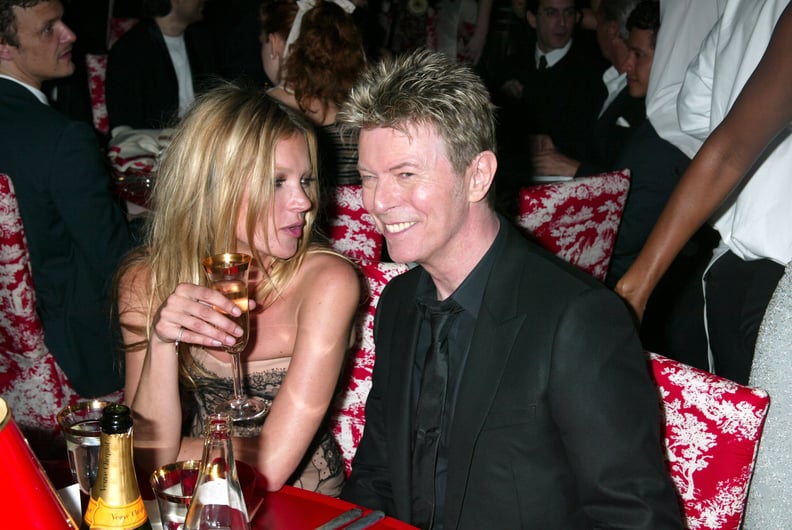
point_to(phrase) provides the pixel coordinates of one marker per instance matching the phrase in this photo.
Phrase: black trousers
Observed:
(737, 294)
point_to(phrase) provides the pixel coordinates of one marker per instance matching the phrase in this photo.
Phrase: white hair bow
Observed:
(303, 6)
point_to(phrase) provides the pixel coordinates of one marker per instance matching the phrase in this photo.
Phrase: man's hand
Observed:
(547, 160)
(512, 89)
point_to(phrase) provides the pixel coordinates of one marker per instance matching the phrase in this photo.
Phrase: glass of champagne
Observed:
(228, 273)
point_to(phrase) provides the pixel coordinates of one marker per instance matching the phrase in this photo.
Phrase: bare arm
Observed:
(475, 47)
(762, 110)
(330, 292)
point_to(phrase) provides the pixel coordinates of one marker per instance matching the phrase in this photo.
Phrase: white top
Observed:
(614, 82)
(683, 26)
(756, 222)
(553, 56)
(181, 64)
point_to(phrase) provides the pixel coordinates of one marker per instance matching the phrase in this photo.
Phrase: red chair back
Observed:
(352, 229)
(577, 219)
(96, 64)
(349, 418)
(30, 380)
(712, 431)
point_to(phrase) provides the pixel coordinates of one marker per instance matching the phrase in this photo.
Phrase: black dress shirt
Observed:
(469, 296)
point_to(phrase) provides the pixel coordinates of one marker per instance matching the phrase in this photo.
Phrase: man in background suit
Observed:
(561, 88)
(621, 112)
(549, 418)
(155, 70)
(555, 90)
(76, 232)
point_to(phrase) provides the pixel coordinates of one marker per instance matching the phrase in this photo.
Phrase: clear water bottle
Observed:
(217, 501)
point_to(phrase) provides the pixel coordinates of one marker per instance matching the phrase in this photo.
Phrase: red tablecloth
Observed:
(298, 509)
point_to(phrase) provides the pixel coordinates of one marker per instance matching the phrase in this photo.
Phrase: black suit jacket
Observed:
(613, 128)
(564, 100)
(141, 86)
(557, 423)
(75, 231)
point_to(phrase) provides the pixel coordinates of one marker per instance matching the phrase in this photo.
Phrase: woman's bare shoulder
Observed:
(328, 266)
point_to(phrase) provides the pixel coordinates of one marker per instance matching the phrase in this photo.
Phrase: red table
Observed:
(296, 509)
(289, 508)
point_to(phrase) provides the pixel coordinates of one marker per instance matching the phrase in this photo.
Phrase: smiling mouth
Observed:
(394, 228)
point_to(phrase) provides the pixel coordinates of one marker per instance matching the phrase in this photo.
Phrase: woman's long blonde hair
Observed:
(222, 147)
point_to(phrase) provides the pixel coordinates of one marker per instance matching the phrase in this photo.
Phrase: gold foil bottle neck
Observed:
(115, 502)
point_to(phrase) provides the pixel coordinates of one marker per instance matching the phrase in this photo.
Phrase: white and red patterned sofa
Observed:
(352, 229)
(578, 219)
(712, 431)
(30, 380)
(348, 418)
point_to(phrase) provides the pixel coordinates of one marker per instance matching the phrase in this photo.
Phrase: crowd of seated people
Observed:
(621, 112)
(576, 88)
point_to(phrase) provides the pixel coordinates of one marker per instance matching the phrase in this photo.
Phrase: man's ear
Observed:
(530, 16)
(613, 29)
(5, 51)
(482, 175)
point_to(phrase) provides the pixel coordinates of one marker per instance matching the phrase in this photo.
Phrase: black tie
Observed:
(542, 62)
(429, 413)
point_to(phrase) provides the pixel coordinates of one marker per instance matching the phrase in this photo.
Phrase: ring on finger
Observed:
(178, 337)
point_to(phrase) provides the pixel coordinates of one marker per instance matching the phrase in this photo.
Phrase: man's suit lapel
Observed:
(493, 340)
(401, 355)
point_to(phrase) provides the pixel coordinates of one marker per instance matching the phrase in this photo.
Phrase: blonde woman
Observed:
(239, 175)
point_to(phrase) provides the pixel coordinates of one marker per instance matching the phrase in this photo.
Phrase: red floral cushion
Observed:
(352, 229)
(578, 219)
(30, 380)
(97, 67)
(349, 416)
(712, 431)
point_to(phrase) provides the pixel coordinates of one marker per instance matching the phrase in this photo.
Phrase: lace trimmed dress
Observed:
(322, 469)
(770, 497)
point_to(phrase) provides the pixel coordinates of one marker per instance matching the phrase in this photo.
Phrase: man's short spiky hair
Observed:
(425, 88)
(646, 16)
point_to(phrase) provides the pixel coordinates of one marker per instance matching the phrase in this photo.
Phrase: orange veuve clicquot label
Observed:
(127, 517)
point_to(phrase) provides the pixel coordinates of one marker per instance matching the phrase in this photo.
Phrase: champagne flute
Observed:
(228, 274)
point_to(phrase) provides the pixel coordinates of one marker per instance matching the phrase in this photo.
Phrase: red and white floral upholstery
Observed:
(349, 416)
(352, 229)
(30, 379)
(577, 219)
(97, 67)
(712, 431)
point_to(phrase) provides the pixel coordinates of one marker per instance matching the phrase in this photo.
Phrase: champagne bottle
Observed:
(115, 502)
(217, 500)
